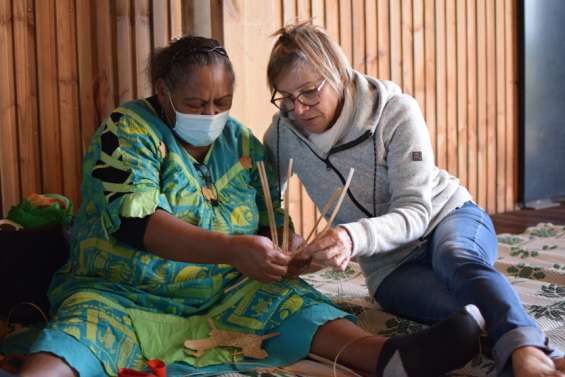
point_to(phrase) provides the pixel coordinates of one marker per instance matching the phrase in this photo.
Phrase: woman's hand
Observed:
(301, 266)
(332, 249)
(295, 240)
(297, 266)
(256, 257)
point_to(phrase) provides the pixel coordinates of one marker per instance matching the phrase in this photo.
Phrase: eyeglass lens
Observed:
(309, 97)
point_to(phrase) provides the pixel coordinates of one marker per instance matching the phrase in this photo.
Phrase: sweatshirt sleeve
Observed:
(410, 163)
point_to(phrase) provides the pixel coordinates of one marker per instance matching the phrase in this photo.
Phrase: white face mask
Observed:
(199, 130)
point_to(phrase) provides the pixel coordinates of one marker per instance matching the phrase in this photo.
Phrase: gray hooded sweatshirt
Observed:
(397, 195)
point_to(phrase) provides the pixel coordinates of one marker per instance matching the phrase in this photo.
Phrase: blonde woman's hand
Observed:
(257, 258)
(332, 249)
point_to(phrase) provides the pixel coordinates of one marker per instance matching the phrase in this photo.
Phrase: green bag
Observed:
(42, 210)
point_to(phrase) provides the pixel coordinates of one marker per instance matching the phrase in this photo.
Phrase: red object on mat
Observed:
(158, 369)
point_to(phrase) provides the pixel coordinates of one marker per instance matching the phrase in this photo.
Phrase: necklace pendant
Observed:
(209, 194)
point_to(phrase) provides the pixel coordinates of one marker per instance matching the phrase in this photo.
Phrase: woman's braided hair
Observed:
(174, 63)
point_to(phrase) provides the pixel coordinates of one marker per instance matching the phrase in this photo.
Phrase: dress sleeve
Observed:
(126, 175)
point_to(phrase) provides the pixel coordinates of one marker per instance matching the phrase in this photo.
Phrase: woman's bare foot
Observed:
(533, 362)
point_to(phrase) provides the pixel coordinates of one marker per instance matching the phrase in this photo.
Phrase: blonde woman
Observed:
(425, 247)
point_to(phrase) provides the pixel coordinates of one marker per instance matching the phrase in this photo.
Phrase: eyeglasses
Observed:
(209, 191)
(310, 97)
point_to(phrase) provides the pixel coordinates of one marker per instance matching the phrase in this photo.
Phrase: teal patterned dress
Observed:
(115, 306)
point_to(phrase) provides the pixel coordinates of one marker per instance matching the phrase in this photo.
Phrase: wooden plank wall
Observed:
(456, 57)
(66, 64)
(69, 62)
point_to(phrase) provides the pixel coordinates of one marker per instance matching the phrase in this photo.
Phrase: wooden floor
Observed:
(518, 221)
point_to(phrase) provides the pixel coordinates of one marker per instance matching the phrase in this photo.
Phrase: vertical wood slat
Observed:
(441, 86)
(461, 65)
(491, 106)
(451, 93)
(125, 60)
(189, 17)
(481, 102)
(383, 39)
(395, 46)
(345, 28)
(105, 86)
(317, 11)
(419, 54)
(9, 166)
(407, 47)
(332, 19)
(86, 55)
(217, 20)
(501, 143)
(430, 58)
(160, 23)
(50, 133)
(175, 19)
(471, 158)
(68, 98)
(142, 34)
(511, 102)
(303, 10)
(26, 97)
(289, 11)
(371, 44)
(358, 36)
(278, 16)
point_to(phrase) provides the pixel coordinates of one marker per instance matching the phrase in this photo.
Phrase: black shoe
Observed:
(441, 348)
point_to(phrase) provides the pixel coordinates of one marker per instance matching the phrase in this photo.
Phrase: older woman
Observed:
(425, 247)
(171, 212)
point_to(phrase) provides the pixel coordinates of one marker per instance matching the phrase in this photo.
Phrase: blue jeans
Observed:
(455, 268)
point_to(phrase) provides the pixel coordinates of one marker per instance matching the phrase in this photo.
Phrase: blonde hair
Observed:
(302, 43)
